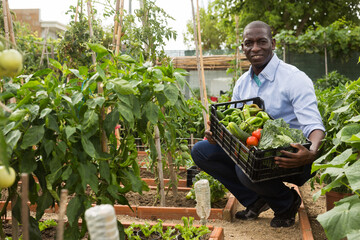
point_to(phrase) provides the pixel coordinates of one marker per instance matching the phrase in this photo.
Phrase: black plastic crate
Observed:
(257, 164)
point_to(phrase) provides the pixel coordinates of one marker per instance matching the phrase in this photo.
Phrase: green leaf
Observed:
(88, 176)
(55, 63)
(104, 170)
(45, 112)
(93, 102)
(99, 49)
(12, 139)
(77, 97)
(158, 87)
(43, 72)
(180, 79)
(33, 136)
(122, 86)
(18, 114)
(352, 174)
(44, 202)
(67, 99)
(4, 159)
(51, 123)
(342, 219)
(69, 131)
(126, 112)
(136, 181)
(28, 162)
(171, 92)
(111, 120)
(74, 210)
(34, 231)
(76, 73)
(30, 84)
(88, 146)
(91, 119)
(152, 112)
(354, 235)
(126, 58)
(101, 72)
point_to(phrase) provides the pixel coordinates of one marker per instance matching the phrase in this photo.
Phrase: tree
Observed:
(213, 34)
(290, 15)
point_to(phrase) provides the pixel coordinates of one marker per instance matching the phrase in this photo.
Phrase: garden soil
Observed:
(258, 229)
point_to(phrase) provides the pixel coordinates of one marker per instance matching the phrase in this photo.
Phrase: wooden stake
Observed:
(24, 206)
(118, 42)
(198, 64)
(159, 166)
(44, 46)
(90, 28)
(77, 11)
(116, 22)
(11, 28)
(62, 210)
(202, 66)
(6, 24)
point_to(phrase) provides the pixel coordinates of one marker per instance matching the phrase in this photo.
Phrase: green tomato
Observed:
(2, 47)
(11, 62)
(7, 178)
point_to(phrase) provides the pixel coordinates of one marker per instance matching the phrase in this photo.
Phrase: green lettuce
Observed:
(277, 133)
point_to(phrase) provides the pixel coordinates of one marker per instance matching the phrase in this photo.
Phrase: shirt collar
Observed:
(269, 71)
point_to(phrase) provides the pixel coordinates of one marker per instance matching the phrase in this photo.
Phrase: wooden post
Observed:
(61, 215)
(118, 42)
(202, 66)
(198, 65)
(159, 166)
(24, 206)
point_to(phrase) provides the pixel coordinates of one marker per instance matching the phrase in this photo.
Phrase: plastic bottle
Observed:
(203, 204)
(101, 222)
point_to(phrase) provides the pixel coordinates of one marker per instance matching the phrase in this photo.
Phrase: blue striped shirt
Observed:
(288, 93)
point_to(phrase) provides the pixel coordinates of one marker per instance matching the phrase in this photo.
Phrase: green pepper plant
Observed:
(55, 131)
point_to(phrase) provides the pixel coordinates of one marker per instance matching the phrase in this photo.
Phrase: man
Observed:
(288, 93)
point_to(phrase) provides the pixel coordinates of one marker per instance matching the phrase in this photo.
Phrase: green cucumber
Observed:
(237, 132)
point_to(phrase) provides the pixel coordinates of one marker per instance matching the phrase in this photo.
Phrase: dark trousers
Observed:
(214, 161)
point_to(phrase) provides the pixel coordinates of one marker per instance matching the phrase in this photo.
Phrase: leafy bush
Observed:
(340, 163)
(332, 80)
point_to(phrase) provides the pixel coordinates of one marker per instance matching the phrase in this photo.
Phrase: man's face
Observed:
(258, 47)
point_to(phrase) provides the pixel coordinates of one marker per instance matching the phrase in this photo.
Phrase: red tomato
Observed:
(257, 133)
(252, 141)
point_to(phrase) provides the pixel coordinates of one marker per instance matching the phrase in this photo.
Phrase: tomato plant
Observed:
(7, 177)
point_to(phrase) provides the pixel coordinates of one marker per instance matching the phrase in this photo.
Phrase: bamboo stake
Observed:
(116, 22)
(77, 11)
(24, 206)
(62, 210)
(159, 166)
(90, 28)
(202, 66)
(6, 24)
(198, 64)
(11, 28)
(118, 42)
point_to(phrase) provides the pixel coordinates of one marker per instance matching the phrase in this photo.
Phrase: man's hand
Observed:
(208, 135)
(292, 160)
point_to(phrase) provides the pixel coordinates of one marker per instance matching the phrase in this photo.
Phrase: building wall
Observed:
(31, 17)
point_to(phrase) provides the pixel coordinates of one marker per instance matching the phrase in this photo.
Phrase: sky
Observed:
(54, 10)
